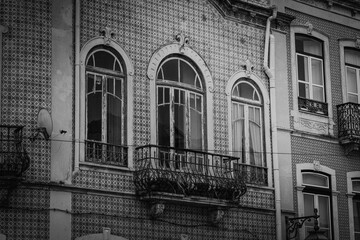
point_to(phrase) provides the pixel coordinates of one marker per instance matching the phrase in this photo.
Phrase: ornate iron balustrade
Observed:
(14, 160)
(313, 106)
(193, 173)
(104, 153)
(349, 122)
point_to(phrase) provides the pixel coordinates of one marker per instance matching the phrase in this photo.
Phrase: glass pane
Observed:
(94, 124)
(309, 208)
(198, 103)
(357, 236)
(318, 93)
(235, 92)
(255, 144)
(352, 56)
(351, 80)
(316, 69)
(246, 90)
(304, 90)
(198, 83)
(114, 111)
(90, 61)
(164, 125)
(238, 130)
(324, 219)
(187, 74)
(353, 98)
(315, 179)
(356, 207)
(98, 83)
(308, 45)
(356, 185)
(110, 85)
(160, 75)
(302, 66)
(195, 130)
(192, 101)
(118, 88)
(179, 126)
(104, 60)
(118, 66)
(167, 95)
(90, 82)
(160, 95)
(170, 70)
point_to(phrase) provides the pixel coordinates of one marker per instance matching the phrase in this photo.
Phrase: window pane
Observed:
(110, 85)
(255, 144)
(352, 56)
(246, 90)
(94, 110)
(302, 66)
(179, 126)
(90, 82)
(316, 69)
(324, 219)
(356, 185)
(195, 130)
(318, 93)
(351, 80)
(118, 66)
(104, 60)
(98, 83)
(118, 88)
(114, 120)
(353, 98)
(238, 130)
(308, 45)
(164, 125)
(187, 74)
(304, 90)
(356, 207)
(309, 208)
(170, 70)
(315, 180)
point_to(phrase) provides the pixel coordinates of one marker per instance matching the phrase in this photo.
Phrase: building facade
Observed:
(174, 119)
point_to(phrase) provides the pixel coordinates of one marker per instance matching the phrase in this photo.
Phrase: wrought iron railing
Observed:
(193, 173)
(349, 122)
(14, 160)
(313, 106)
(104, 153)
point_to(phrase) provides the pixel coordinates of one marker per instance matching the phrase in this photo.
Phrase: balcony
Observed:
(106, 154)
(14, 160)
(349, 126)
(313, 106)
(165, 173)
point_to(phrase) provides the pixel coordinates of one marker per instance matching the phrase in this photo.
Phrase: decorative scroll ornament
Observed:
(217, 216)
(249, 67)
(184, 237)
(108, 34)
(357, 42)
(330, 4)
(310, 27)
(183, 41)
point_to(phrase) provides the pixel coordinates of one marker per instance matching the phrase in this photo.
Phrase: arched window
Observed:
(180, 104)
(105, 100)
(247, 123)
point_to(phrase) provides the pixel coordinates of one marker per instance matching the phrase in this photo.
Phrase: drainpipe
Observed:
(77, 87)
(270, 72)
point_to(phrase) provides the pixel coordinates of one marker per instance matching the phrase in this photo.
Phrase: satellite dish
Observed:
(45, 124)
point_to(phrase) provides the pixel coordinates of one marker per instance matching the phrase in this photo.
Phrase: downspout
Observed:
(270, 72)
(77, 88)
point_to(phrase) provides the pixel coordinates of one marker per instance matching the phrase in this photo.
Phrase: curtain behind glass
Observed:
(114, 120)
(255, 136)
(238, 131)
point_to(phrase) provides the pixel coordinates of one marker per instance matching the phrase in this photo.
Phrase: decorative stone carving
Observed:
(217, 216)
(183, 41)
(157, 209)
(249, 67)
(321, 128)
(310, 27)
(357, 42)
(184, 237)
(317, 165)
(108, 34)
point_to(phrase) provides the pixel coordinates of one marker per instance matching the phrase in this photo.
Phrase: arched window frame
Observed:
(242, 74)
(306, 121)
(80, 104)
(350, 176)
(316, 167)
(187, 52)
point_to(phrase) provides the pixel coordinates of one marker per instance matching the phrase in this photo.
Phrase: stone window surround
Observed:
(349, 177)
(304, 121)
(317, 167)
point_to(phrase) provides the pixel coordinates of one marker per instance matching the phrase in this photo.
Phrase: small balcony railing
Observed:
(107, 154)
(313, 106)
(14, 160)
(193, 173)
(349, 123)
